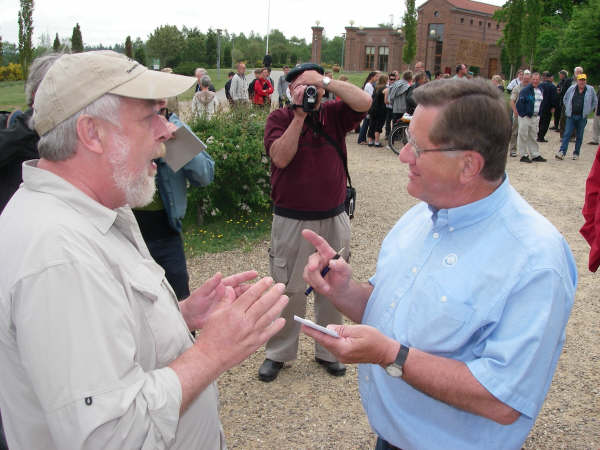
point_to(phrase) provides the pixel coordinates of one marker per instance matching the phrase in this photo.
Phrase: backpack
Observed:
(251, 89)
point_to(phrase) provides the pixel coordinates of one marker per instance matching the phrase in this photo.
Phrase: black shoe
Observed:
(553, 128)
(335, 368)
(539, 158)
(525, 159)
(542, 140)
(269, 370)
(592, 143)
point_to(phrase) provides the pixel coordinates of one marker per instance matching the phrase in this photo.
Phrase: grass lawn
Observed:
(225, 234)
(12, 95)
(218, 82)
(356, 78)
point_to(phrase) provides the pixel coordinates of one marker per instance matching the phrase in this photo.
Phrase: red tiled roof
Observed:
(471, 5)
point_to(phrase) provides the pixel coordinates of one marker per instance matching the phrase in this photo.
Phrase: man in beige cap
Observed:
(95, 350)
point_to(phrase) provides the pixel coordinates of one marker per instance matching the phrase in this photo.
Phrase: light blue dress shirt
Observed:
(491, 284)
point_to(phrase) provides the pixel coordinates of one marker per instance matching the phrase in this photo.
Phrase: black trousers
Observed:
(545, 116)
(557, 113)
(384, 445)
(168, 253)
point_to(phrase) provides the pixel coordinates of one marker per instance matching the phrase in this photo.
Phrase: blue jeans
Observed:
(362, 135)
(577, 124)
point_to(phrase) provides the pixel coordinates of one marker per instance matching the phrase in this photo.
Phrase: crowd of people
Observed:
(457, 333)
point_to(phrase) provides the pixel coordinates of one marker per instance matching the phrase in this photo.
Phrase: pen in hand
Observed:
(325, 270)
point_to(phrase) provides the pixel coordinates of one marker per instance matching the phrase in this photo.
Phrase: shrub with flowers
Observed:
(235, 142)
(11, 72)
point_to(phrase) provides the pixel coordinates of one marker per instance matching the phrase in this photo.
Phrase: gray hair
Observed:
(60, 143)
(205, 81)
(37, 72)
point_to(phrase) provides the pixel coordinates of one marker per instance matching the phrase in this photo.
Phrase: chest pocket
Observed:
(438, 320)
(164, 325)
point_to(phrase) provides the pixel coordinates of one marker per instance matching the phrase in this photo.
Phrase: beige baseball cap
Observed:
(76, 80)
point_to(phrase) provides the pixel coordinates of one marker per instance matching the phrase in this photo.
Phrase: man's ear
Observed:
(90, 133)
(472, 165)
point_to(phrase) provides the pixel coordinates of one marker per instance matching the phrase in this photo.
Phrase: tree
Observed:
(139, 51)
(1, 52)
(211, 48)
(25, 33)
(531, 23)
(128, 47)
(409, 49)
(56, 45)
(166, 43)
(512, 15)
(76, 40)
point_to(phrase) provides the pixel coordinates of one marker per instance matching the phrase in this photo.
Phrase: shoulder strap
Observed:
(317, 127)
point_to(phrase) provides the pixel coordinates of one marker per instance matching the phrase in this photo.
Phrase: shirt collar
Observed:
(466, 215)
(41, 180)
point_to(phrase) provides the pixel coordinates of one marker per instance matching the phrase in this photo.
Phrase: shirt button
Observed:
(414, 270)
(436, 235)
(367, 378)
(444, 299)
(392, 304)
(451, 228)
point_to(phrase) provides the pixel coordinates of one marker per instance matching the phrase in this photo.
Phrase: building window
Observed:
(471, 21)
(489, 24)
(480, 23)
(436, 14)
(462, 20)
(370, 58)
(497, 26)
(382, 63)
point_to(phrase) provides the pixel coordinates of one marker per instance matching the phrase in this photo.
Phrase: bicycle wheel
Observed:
(398, 138)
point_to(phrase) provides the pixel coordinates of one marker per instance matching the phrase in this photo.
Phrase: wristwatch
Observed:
(395, 368)
(326, 81)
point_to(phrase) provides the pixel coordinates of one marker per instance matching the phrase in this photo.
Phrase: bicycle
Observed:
(398, 138)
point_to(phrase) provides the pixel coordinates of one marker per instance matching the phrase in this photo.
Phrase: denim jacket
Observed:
(172, 186)
(526, 102)
(589, 100)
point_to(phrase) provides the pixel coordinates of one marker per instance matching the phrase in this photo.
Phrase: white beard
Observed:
(138, 187)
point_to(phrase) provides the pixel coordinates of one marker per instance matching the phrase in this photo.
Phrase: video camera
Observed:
(311, 93)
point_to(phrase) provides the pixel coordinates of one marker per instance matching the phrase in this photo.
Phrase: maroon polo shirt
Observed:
(315, 179)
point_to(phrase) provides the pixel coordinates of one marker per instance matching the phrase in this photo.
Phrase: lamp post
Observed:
(431, 37)
(343, 48)
(219, 53)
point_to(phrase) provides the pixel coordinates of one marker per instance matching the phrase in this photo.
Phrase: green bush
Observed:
(186, 68)
(241, 186)
(12, 72)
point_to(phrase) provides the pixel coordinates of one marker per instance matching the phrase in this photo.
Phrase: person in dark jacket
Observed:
(18, 142)
(228, 88)
(377, 113)
(419, 79)
(548, 105)
(267, 60)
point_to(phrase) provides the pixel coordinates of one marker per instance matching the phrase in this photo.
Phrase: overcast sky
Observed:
(110, 21)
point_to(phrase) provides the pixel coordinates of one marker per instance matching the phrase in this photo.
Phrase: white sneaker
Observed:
(575, 156)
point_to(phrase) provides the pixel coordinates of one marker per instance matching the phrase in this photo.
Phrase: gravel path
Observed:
(306, 408)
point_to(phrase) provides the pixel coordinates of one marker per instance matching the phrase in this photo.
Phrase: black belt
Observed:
(308, 215)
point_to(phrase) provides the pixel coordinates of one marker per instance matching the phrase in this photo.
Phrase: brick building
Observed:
(373, 49)
(458, 31)
(448, 32)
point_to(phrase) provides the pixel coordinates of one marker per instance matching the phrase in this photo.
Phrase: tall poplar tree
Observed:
(76, 40)
(56, 45)
(512, 15)
(531, 25)
(409, 28)
(25, 33)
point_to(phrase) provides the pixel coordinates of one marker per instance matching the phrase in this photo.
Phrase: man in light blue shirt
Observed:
(464, 320)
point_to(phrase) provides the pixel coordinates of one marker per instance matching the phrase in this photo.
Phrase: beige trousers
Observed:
(528, 131)
(288, 255)
(512, 145)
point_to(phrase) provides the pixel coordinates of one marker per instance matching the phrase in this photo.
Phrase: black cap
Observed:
(296, 71)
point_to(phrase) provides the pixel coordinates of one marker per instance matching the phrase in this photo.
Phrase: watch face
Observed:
(394, 371)
(326, 81)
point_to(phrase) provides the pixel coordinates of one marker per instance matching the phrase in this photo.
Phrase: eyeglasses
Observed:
(419, 151)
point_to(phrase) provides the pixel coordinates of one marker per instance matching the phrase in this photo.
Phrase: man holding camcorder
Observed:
(308, 188)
